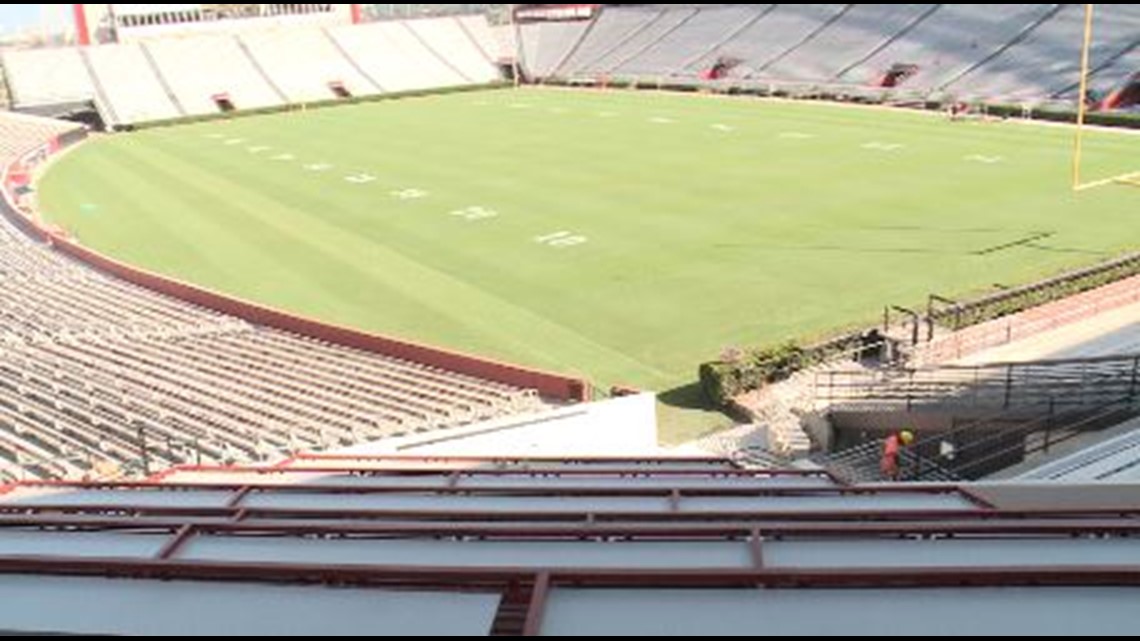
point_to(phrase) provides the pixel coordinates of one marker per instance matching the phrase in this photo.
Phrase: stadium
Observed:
(571, 319)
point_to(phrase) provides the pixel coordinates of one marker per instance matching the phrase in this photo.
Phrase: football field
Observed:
(624, 237)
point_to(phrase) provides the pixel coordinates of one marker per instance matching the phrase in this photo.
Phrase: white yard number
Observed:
(409, 194)
(361, 179)
(561, 240)
(882, 146)
(472, 214)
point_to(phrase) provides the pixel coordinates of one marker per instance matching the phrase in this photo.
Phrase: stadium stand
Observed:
(558, 546)
(685, 48)
(200, 69)
(245, 530)
(1115, 460)
(99, 374)
(486, 39)
(1029, 55)
(780, 33)
(391, 55)
(504, 44)
(606, 33)
(304, 63)
(861, 28)
(5, 93)
(47, 76)
(161, 79)
(448, 39)
(1011, 53)
(140, 93)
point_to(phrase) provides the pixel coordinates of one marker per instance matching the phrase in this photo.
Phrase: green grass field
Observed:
(625, 237)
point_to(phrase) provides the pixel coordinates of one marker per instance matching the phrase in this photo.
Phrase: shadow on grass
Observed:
(685, 415)
(687, 397)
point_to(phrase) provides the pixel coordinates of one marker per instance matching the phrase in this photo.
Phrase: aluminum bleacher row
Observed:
(171, 78)
(401, 545)
(1116, 460)
(93, 371)
(1010, 52)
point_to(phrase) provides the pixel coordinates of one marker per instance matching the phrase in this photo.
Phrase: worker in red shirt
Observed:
(889, 464)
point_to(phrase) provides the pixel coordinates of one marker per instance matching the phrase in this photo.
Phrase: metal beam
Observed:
(536, 608)
(177, 541)
(463, 579)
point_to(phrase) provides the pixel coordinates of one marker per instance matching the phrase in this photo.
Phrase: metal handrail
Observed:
(866, 456)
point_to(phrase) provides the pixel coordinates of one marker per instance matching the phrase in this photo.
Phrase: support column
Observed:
(82, 32)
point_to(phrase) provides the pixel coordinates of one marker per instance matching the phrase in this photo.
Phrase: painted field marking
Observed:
(882, 146)
(661, 120)
(361, 179)
(555, 236)
(1123, 179)
(473, 214)
(283, 157)
(723, 127)
(258, 149)
(234, 141)
(409, 194)
(985, 160)
(796, 135)
(318, 166)
(561, 240)
(520, 105)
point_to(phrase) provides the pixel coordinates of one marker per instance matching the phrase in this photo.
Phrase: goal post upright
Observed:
(1082, 103)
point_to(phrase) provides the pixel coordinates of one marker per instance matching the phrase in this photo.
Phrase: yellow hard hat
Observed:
(906, 436)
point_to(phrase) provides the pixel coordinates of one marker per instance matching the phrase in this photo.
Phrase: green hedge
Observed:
(739, 372)
(1048, 291)
(1056, 114)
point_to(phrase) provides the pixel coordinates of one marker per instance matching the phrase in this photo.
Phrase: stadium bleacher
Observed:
(1001, 53)
(247, 528)
(556, 546)
(162, 79)
(96, 373)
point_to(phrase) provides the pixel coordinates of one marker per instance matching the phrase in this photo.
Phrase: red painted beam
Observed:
(617, 489)
(593, 470)
(414, 458)
(177, 541)
(454, 579)
(756, 548)
(755, 532)
(536, 609)
(82, 30)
